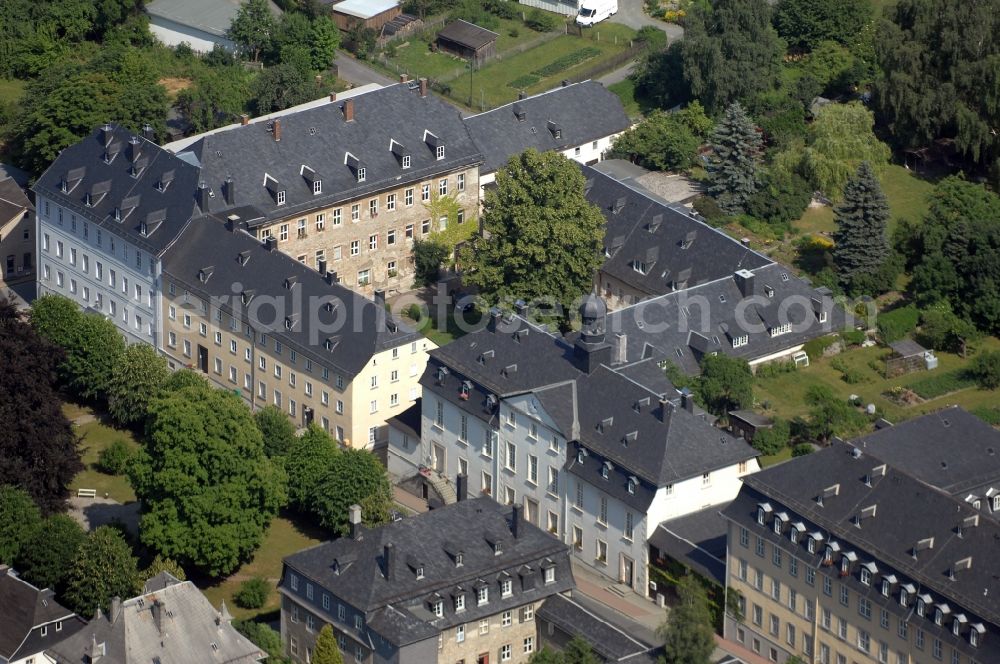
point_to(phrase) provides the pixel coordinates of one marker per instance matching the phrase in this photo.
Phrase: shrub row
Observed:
(567, 61)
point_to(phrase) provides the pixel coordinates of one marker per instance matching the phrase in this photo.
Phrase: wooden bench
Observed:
(86, 493)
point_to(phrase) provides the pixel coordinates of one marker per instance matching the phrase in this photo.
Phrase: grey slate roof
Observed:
(355, 571)
(584, 112)
(211, 16)
(602, 411)
(13, 201)
(950, 449)
(679, 250)
(682, 326)
(321, 139)
(697, 540)
(907, 511)
(175, 623)
(23, 608)
(140, 199)
(409, 420)
(357, 327)
(611, 642)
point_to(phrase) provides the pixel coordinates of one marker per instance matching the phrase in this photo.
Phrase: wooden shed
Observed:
(468, 41)
(371, 13)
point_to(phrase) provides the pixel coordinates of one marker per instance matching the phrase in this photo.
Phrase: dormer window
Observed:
(317, 187)
(866, 577)
(631, 485)
(938, 616)
(550, 574)
(506, 588)
(459, 602)
(406, 161)
(279, 197)
(828, 556)
(741, 340)
(974, 635)
(420, 572)
(811, 545)
(458, 559)
(361, 174)
(438, 608)
(885, 587)
(604, 470)
(497, 548)
(482, 595)
(921, 607)
(763, 510)
(903, 598)
(439, 152)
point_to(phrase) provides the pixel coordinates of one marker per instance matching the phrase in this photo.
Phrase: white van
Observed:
(594, 11)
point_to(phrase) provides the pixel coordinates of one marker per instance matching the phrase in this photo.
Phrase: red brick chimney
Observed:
(277, 130)
(244, 119)
(348, 110)
(333, 96)
(403, 78)
(423, 87)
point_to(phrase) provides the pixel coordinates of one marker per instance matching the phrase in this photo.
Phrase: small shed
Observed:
(369, 13)
(468, 41)
(907, 355)
(747, 423)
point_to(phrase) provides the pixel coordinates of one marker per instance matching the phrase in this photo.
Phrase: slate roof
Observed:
(319, 143)
(355, 571)
(583, 112)
(211, 16)
(950, 449)
(612, 643)
(357, 327)
(697, 540)
(13, 201)
(467, 34)
(174, 623)
(684, 325)
(23, 607)
(679, 250)
(409, 420)
(617, 417)
(84, 168)
(907, 512)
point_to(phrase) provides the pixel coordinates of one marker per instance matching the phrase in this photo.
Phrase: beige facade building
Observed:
(17, 233)
(256, 321)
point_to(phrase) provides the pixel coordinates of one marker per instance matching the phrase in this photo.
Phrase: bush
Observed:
(541, 21)
(896, 324)
(775, 369)
(263, 637)
(772, 441)
(253, 593)
(503, 8)
(414, 313)
(985, 369)
(651, 37)
(427, 258)
(781, 200)
(814, 348)
(853, 337)
(514, 32)
(854, 376)
(115, 458)
(802, 449)
(710, 210)
(936, 385)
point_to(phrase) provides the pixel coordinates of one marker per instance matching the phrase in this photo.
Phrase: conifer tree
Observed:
(862, 246)
(688, 634)
(327, 651)
(733, 176)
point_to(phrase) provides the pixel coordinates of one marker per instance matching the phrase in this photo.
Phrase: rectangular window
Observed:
(461, 181)
(628, 525)
(390, 202)
(510, 462)
(355, 212)
(443, 187)
(355, 247)
(338, 217)
(373, 207)
(602, 517)
(409, 231)
(425, 192)
(372, 242)
(532, 469)
(408, 197)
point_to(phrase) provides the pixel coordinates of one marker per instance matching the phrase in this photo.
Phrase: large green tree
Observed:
(253, 28)
(19, 519)
(730, 52)
(48, 554)
(309, 458)
(104, 568)
(277, 430)
(829, 415)
(208, 491)
(661, 142)
(279, 87)
(839, 139)
(39, 452)
(806, 23)
(327, 651)
(688, 634)
(135, 380)
(734, 165)
(940, 65)
(353, 477)
(541, 239)
(862, 246)
(955, 253)
(725, 384)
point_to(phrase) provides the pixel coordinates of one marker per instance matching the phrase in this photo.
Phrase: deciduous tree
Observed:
(104, 568)
(660, 142)
(50, 551)
(733, 167)
(19, 518)
(726, 383)
(353, 477)
(208, 491)
(135, 379)
(253, 28)
(542, 237)
(688, 634)
(862, 247)
(96, 348)
(277, 430)
(309, 459)
(806, 23)
(839, 139)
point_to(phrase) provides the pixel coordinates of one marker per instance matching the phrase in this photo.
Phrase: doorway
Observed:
(203, 359)
(628, 571)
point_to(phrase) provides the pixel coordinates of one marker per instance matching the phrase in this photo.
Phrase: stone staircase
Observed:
(442, 486)
(619, 589)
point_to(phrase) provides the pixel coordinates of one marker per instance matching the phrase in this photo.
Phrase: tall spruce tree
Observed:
(688, 634)
(733, 176)
(862, 246)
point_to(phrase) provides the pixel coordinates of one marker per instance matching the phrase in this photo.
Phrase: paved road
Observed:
(359, 73)
(630, 13)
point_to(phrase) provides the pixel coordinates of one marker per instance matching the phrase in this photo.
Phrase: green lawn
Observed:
(428, 326)
(285, 536)
(772, 459)
(785, 393)
(97, 436)
(11, 90)
(635, 106)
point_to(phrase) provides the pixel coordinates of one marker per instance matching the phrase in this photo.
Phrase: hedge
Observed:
(814, 347)
(939, 384)
(896, 324)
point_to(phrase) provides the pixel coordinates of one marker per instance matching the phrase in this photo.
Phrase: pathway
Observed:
(358, 73)
(632, 14)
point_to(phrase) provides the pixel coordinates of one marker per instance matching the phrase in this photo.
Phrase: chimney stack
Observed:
(665, 407)
(380, 296)
(388, 560)
(133, 149)
(404, 78)
(687, 400)
(96, 649)
(157, 611)
(348, 110)
(270, 243)
(202, 196)
(333, 96)
(521, 95)
(116, 608)
(147, 131)
(277, 129)
(354, 517)
(230, 191)
(745, 282)
(321, 265)
(107, 134)
(423, 87)
(244, 119)
(461, 486)
(515, 521)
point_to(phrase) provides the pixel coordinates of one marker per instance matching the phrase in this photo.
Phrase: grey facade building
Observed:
(597, 452)
(460, 583)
